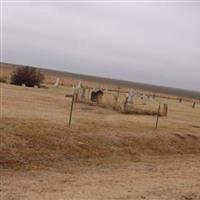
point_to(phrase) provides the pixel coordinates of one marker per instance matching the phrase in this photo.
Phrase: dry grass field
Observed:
(103, 155)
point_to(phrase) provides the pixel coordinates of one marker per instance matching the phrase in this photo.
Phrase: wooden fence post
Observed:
(157, 116)
(70, 115)
(73, 97)
(118, 92)
(125, 104)
(72, 103)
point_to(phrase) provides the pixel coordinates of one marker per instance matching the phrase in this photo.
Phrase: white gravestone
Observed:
(130, 96)
(56, 84)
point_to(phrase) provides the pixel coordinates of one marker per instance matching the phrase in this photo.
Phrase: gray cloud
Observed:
(155, 43)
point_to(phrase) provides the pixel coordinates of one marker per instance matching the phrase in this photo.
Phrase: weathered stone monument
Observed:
(130, 96)
(165, 110)
(150, 98)
(57, 82)
(79, 85)
(96, 95)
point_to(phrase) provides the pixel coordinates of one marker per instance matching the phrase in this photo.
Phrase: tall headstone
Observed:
(79, 85)
(78, 92)
(165, 110)
(130, 96)
(56, 84)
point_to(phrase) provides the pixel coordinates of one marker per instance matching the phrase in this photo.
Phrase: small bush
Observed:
(27, 75)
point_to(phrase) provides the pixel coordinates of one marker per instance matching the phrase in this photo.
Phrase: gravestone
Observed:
(130, 96)
(56, 84)
(79, 85)
(165, 110)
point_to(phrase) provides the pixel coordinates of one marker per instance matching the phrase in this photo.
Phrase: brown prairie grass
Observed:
(34, 130)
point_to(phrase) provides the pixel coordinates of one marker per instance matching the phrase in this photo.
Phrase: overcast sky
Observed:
(157, 43)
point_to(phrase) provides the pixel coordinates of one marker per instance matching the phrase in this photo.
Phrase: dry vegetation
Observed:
(104, 155)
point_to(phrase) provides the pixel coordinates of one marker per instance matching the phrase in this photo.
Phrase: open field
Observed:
(92, 81)
(158, 179)
(104, 155)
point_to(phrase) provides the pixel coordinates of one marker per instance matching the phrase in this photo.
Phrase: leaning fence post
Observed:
(125, 104)
(157, 116)
(118, 92)
(70, 115)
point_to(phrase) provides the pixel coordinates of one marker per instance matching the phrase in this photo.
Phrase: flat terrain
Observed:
(71, 78)
(167, 178)
(104, 155)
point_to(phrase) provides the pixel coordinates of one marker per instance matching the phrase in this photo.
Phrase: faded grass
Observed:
(35, 133)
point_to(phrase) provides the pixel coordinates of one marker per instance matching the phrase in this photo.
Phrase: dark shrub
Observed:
(27, 75)
(3, 79)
